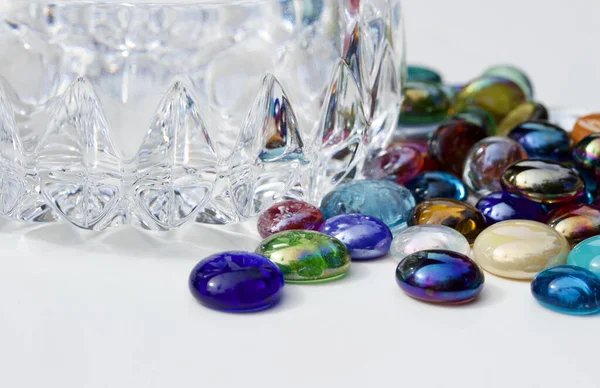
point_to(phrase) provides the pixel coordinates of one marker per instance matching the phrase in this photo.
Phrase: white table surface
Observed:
(113, 310)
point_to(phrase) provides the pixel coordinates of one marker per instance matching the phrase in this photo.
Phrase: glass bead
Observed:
(543, 181)
(514, 74)
(422, 74)
(576, 222)
(236, 281)
(567, 289)
(541, 139)
(424, 103)
(502, 206)
(585, 126)
(519, 249)
(289, 215)
(496, 95)
(448, 212)
(365, 237)
(451, 142)
(429, 164)
(382, 199)
(399, 162)
(586, 154)
(486, 161)
(306, 256)
(437, 184)
(427, 237)
(527, 111)
(586, 255)
(478, 116)
(440, 276)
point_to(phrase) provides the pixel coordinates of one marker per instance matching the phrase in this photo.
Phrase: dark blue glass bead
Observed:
(541, 139)
(440, 276)
(236, 281)
(365, 237)
(501, 206)
(567, 289)
(437, 184)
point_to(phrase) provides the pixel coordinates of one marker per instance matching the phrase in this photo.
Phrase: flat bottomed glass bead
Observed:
(451, 142)
(486, 161)
(289, 215)
(496, 95)
(502, 206)
(440, 276)
(514, 74)
(427, 237)
(567, 289)
(585, 126)
(519, 249)
(448, 212)
(586, 154)
(527, 111)
(576, 222)
(306, 256)
(422, 74)
(543, 140)
(586, 255)
(543, 181)
(399, 162)
(236, 281)
(424, 103)
(382, 199)
(365, 237)
(437, 184)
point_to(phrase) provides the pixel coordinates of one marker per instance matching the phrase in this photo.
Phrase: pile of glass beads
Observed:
(477, 179)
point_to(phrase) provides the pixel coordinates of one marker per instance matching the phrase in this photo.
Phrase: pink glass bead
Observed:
(289, 215)
(400, 162)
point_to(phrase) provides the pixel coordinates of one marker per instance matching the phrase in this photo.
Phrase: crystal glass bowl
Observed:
(158, 113)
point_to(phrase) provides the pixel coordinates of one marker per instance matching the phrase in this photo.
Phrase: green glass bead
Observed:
(306, 256)
(496, 95)
(478, 116)
(514, 74)
(527, 111)
(423, 74)
(424, 103)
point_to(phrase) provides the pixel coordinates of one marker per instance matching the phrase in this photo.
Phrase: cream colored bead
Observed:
(519, 249)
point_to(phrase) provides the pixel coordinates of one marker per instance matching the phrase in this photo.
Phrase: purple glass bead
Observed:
(501, 206)
(541, 139)
(236, 281)
(365, 237)
(440, 276)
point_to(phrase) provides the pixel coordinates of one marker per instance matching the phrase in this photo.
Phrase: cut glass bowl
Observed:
(158, 114)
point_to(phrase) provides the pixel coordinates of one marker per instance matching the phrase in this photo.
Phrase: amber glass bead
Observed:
(585, 126)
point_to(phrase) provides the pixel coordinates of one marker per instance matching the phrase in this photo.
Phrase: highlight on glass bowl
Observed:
(161, 113)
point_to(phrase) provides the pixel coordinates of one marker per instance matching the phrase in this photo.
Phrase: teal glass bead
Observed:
(514, 74)
(382, 199)
(424, 103)
(437, 184)
(423, 74)
(567, 289)
(586, 255)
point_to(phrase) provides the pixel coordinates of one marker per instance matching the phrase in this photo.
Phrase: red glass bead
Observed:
(401, 163)
(289, 215)
(451, 142)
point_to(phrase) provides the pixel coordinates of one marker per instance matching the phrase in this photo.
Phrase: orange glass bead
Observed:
(585, 126)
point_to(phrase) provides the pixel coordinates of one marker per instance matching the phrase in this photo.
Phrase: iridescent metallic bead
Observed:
(502, 206)
(543, 140)
(527, 111)
(514, 74)
(586, 154)
(576, 222)
(424, 103)
(427, 237)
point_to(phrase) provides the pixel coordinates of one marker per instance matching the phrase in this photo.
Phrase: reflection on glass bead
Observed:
(567, 289)
(399, 162)
(424, 103)
(365, 237)
(586, 255)
(486, 161)
(527, 111)
(576, 222)
(514, 74)
(427, 237)
(502, 206)
(236, 281)
(519, 249)
(586, 154)
(289, 215)
(541, 139)
(451, 142)
(458, 215)
(306, 256)
(422, 74)
(543, 181)
(429, 164)
(440, 276)
(585, 126)
(437, 184)
(382, 199)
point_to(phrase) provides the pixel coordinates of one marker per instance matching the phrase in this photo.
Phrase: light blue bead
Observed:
(386, 200)
(587, 255)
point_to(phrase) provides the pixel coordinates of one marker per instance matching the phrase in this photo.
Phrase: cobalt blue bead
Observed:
(236, 281)
(365, 237)
(501, 206)
(541, 139)
(567, 289)
(440, 276)
(383, 199)
(437, 184)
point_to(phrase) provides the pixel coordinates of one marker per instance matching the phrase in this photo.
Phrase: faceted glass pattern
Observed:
(158, 114)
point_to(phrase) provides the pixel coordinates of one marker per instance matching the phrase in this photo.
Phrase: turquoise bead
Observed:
(586, 255)
(423, 74)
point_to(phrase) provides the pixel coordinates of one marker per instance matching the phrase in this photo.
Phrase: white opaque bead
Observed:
(425, 237)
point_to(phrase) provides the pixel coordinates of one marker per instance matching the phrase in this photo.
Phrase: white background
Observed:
(113, 310)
